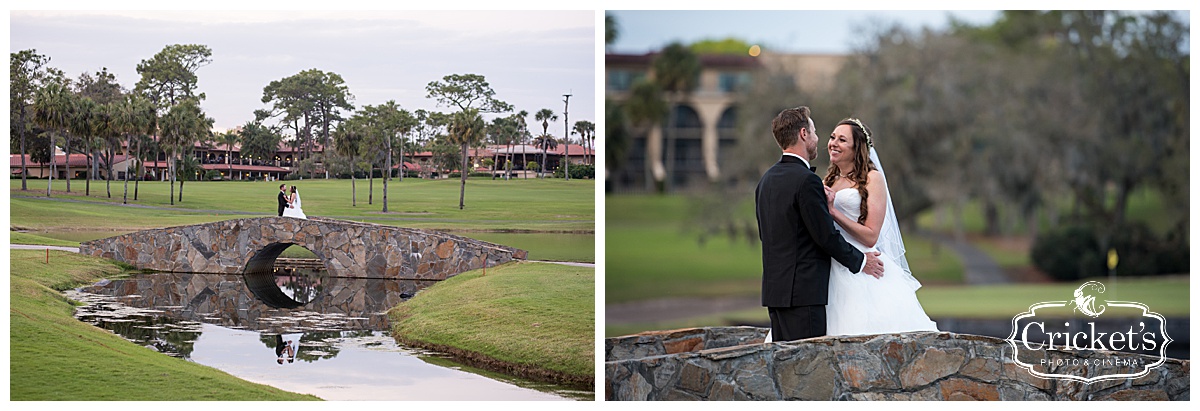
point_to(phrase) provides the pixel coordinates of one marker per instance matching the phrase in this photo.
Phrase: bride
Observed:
(862, 211)
(295, 209)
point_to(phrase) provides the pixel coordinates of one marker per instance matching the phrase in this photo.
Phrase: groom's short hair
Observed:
(281, 186)
(787, 125)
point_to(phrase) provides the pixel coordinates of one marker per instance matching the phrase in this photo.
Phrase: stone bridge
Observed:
(347, 248)
(732, 363)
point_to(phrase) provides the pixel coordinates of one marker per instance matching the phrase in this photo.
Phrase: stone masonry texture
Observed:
(349, 249)
(732, 363)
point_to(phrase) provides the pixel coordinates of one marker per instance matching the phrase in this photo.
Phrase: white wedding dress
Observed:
(862, 304)
(297, 209)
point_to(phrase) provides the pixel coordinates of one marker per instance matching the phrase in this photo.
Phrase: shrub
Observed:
(580, 171)
(1072, 252)
(212, 175)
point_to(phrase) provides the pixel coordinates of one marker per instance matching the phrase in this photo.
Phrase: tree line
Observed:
(161, 116)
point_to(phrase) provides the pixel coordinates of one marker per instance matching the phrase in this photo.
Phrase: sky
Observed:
(530, 58)
(801, 31)
(797, 31)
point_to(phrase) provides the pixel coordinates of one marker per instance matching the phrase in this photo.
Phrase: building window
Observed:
(622, 80)
(731, 82)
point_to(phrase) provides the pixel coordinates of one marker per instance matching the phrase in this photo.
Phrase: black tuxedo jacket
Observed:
(282, 203)
(798, 236)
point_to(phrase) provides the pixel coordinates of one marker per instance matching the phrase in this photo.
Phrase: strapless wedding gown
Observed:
(862, 304)
(297, 211)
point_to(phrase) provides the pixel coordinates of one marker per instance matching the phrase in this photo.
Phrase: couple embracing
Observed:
(289, 203)
(833, 259)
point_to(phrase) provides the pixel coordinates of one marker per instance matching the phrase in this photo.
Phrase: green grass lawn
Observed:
(549, 204)
(529, 314)
(26, 238)
(649, 254)
(542, 206)
(1168, 296)
(53, 356)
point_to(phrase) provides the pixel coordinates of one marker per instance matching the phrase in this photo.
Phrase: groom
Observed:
(283, 198)
(797, 233)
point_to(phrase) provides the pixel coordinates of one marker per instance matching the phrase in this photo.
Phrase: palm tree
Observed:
(183, 125)
(545, 142)
(522, 137)
(645, 109)
(677, 70)
(134, 116)
(348, 140)
(111, 137)
(228, 138)
(189, 168)
(516, 123)
(545, 116)
(82, 111)
(52, 110)
(466, 129)
(585, 129)
(501, 133)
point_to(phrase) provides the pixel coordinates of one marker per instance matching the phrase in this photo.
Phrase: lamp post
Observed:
(566, 138)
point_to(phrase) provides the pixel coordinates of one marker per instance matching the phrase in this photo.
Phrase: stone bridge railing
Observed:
(347, 248)
(732, 363)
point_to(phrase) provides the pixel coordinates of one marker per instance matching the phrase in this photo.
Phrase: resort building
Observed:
(705, 121)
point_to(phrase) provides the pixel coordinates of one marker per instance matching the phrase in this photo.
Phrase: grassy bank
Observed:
(53, 356)
(545, 209)
(529, 319)
(1168, 296)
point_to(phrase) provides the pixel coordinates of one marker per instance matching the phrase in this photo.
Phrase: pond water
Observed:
(335, 346)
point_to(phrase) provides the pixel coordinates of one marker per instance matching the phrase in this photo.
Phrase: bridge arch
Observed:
(347, 248)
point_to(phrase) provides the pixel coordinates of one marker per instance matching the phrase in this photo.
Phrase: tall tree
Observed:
(258, 141)
(348, 138)
(308, 100)
(103, 88)
(83, 109)
(229, 138)
(546, 142)
(52, 110)
(134, 116)
(586, 130)
(545, 116)
(616, 137)
(501, 131)
(677, 71)
(182, 127)
(611, 29)
(522, 137)
(170, 76)
(466, 129)
(168, 79)
(645, 110)
(27, 73)
(466, 91)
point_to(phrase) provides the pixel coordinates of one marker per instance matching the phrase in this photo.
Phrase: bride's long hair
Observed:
(862, 164)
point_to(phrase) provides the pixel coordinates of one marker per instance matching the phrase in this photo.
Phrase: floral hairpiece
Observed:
(864, 129)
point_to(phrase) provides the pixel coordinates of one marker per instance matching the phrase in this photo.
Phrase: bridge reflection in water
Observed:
(343, 347)
(256, 301)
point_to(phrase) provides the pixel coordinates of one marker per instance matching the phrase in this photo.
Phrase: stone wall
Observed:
(349, 249)
(731, 363)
